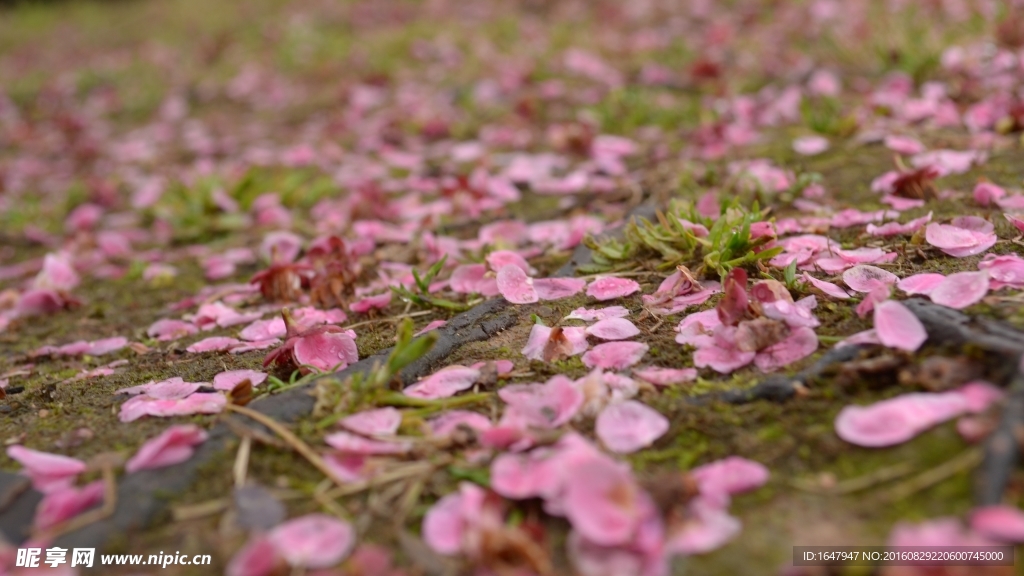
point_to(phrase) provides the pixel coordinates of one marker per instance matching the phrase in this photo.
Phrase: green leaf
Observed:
(481, 476)
(790, 273)
(433, 271)
(423, 286)
(408, 349)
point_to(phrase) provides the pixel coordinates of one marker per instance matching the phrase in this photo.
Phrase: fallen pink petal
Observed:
(198, 403)
(999, 522)
(172, 446)
(213, 344)
(548, 344)
(379, 422)
(899, 419)
(897, 327)
(444, 383)
(516, 286)
(615, 355)
(326, 351)
(865, 278)
(613, 329)
(313, 541)
(230, 378)
(596, 314)
(65, 503)
(47, 471)
(610, 288)
(968, 239)
(666, 376)
(629, 426)
(961, 289)
(920, 283)
(557, 288)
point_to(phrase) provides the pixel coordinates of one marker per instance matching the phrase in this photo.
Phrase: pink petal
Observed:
(445, 524)
(231, 378)
(1013, 203)
(938, 532)
(106, 346)
(722, 360)
(589, 315)
(801, 343)
(347, 466)
(449, 421)
(540, 335)
(1004, 270)
(706, 528)
(169, 389)
(377, 302)
(244, 347)
(57, 273)
(863, 337)
(609, 288)
(39, 301)
(174, 445)
(1016, 220)
(557, 288)
(264, 330)
(599, 501)
(961, 289)
(280, 246)
(472, 278)
(198, 403)
(166, 329)
(810, 145)
(979, 395)
(985, 193)
(865, 278)
(377, 422)
(666, 376)
(213, 344)
(308, 316)
(898, 327)
(66, 503)
(629, 426)
(326, 351)
(972, 223)
(349, 443)
(615, 355)
(895, 228)
(525, 475)
(920, 283)
(444, 383)
(613, 329)
(504, 366)
(547, 405)
(258, 557)
(313, 541)
(516, 286)
(958, 241)
(48, 471)
(729, 476)
(999, 522)
(219, 314)
(899, 419)
(733, 306)
(898, 203)
(826, 287)
(501, 258)
(903, 144)
(434, 325)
